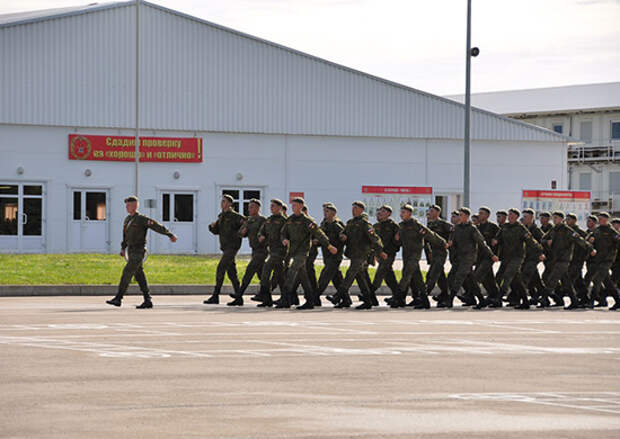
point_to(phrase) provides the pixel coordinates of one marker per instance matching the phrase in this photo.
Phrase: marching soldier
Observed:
(560, 240)
(259, 249)
(297, 234)
(133, 247)
(412, 234)
(466, 240)
(436, 274)
(591, 225)
(332, 226)
(605, 240)
(501, 216)
(489, 230)
(513, 238)
(545, 222)
(575, 268)
(360, 239)
(269, 234)
(227, 227)
(387, 230)
(529, 270)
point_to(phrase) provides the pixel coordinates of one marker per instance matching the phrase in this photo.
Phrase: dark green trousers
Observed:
(227, 265)
(133, 269)
(385, 272)
(330, 273)
(255, 267)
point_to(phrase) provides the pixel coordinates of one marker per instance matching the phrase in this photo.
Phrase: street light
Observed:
(470, 52)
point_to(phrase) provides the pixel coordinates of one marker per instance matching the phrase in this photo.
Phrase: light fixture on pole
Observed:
(470, 52)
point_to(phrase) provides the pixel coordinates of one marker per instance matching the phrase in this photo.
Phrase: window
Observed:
(77, 206)
(585, 131)
(614, 182)
(184, 208)
(615, 130)
(242, 198)
(558, 128)
(96, 206)
(585, 181)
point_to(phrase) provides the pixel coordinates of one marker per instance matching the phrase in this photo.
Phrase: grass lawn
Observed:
(104, 269)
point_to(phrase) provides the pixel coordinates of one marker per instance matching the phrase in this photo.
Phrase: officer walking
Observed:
(332, 226)
(133, 248)
(227, 227)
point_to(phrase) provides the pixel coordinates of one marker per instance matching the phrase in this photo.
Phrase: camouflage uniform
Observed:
(259, 250)
(227, 227)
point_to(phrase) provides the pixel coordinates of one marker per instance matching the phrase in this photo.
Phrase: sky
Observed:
(421, 43)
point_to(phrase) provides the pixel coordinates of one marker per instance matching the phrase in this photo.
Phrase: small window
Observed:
(96, 206)
(77, 206)
(33, 190)
(585, 131)
(615, 130)
(165, 205)
(614, 182)
(585, 181)
(8, 189)
(183, 208)
(558, 128)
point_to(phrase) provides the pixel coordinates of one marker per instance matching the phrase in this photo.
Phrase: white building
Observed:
(266, 120)
(588, 113)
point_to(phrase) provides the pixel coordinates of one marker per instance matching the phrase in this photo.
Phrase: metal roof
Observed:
(206, 77)
(566, 99)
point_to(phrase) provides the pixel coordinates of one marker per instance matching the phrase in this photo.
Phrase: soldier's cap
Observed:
(386, 207)
(615, 220)
(515, 211)
(435, 207)
(228, 198)
(298, 200)
(329, 203)
(278, 202)
(465, 210)
(131, 199)
(558, 213)
(571, 215)
(592, 218)
(475, 216)
(604, 215)
(256, 201)
(454, 213)
(486, 209)
(407, 207)
(330, 206)
(359, 204)
(530, 211)
(501, 212)
(546, 214)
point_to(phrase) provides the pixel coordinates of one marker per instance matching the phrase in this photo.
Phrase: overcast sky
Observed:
(421, 43)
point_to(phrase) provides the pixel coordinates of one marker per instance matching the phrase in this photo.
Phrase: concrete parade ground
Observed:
(73, 367)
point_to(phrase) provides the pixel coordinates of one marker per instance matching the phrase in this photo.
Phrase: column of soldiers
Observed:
(284, 250)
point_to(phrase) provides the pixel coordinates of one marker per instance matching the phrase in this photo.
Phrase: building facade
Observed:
(590, 115)
(264, 120)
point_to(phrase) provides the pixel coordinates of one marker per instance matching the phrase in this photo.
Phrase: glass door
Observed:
(21, 217)
(89, 223)
(178, 213)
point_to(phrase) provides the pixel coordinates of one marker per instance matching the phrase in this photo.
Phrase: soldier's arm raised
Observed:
(160, 228)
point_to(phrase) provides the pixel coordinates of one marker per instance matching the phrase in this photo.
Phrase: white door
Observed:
(21, 217)
(89, 223)
(178, 213)
(242, 197)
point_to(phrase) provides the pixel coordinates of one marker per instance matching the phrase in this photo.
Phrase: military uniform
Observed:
(299, 230)
(227, 227)
(529, 269)
(514, 238)
(412, 235)
(331, 269)
(270, 232)
(259, 250)
(575, 269)
(436, 274)
(134, 243)
(563, 240)
(387, 231)
(361, 240)
(484, 271)
(605, 240)
(467, 242)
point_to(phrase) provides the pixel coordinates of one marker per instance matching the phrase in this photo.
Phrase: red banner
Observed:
(396, 190)
(568, 195)
(292, 195)
(122, 148)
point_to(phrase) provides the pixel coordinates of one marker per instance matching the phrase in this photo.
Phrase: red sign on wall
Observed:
(122, 148)
(397, 190)
(568, 195)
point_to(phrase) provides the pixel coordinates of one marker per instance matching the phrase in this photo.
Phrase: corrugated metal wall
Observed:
(79, 71)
